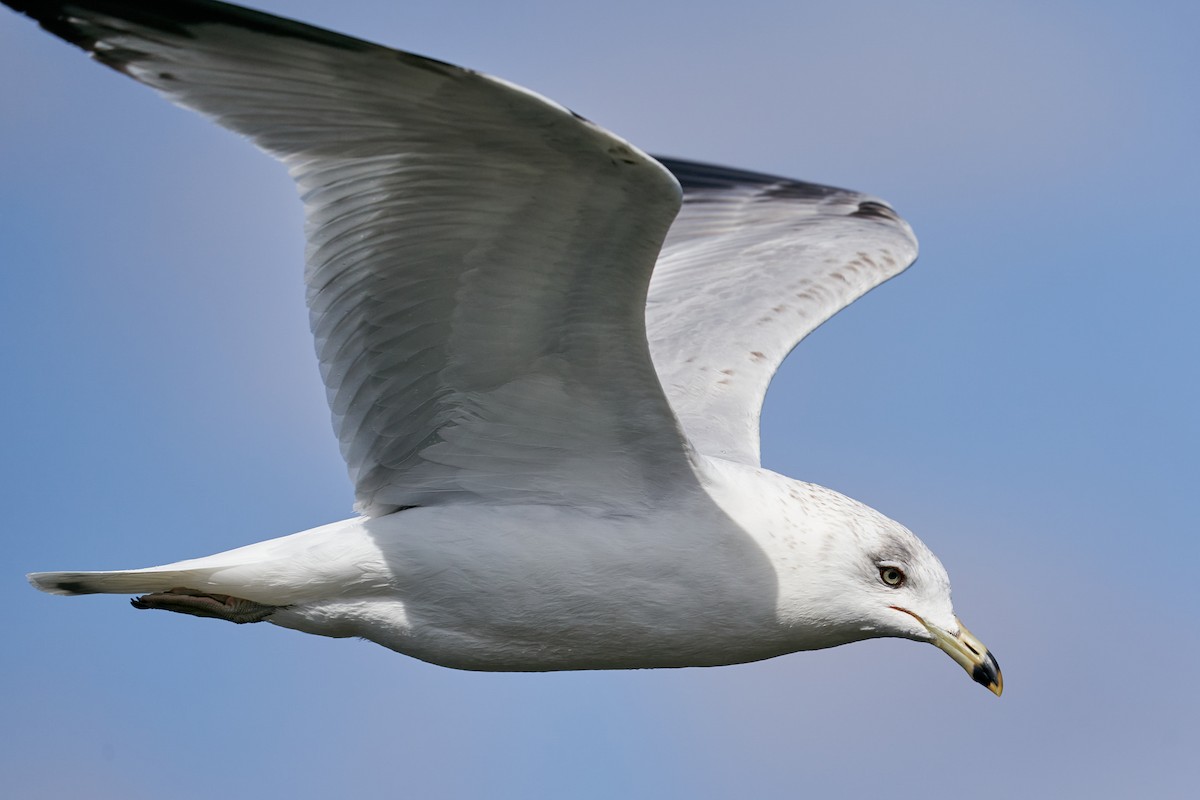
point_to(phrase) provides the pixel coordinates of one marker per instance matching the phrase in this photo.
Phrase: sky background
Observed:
(1025, 399)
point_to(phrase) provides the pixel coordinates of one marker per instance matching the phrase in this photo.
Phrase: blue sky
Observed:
(1025, 399)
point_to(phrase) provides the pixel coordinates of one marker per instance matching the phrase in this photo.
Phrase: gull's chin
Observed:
(918, 632)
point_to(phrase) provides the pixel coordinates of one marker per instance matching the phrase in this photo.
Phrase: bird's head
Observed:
(900, 588)
(866, 576)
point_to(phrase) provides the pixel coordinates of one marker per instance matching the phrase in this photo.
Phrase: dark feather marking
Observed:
(696, 176)
(176, 17)
(869, 209)
(180, 17)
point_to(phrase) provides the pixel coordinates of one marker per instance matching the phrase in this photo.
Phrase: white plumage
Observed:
(545, 364)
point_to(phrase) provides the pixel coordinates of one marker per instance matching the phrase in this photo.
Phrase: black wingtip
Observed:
(26, 8)
(81, 22)
(171, 16)
(52, 18)
(872, 209)
(698, 176)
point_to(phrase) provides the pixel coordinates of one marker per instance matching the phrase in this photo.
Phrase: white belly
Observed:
(543, 588)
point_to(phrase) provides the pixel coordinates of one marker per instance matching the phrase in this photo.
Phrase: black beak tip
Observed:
(987, 672)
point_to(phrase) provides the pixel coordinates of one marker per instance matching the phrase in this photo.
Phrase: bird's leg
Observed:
(201, 604)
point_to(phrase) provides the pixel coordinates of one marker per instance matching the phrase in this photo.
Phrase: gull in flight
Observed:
(545, 352)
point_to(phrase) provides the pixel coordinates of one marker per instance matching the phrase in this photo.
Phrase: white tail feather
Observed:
(134, 581)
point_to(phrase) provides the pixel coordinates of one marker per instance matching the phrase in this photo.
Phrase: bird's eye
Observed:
(892, 576)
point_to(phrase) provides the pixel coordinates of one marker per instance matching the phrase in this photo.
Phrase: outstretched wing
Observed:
(478, 256)
(752, 265)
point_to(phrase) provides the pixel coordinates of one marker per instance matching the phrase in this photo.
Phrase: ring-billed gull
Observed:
(545, 364)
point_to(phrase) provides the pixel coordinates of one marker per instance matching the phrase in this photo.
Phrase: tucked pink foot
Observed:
(201, 604)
